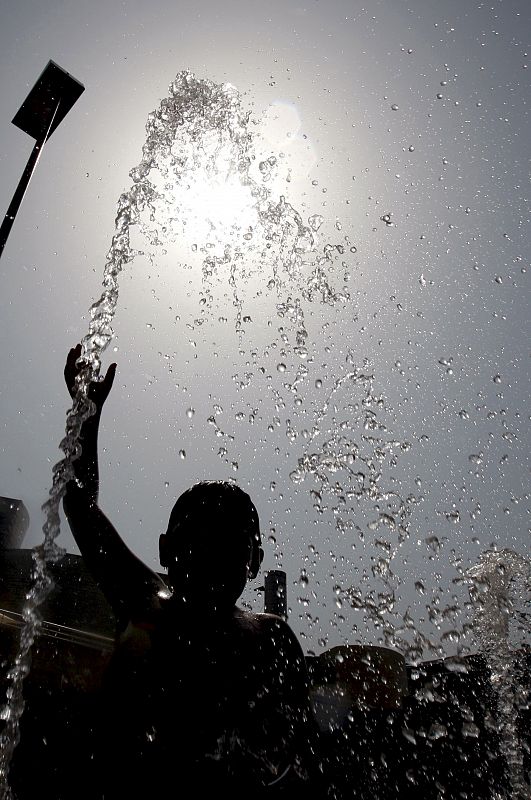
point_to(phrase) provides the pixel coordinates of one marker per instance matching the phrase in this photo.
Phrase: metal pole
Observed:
(20, 191)
(275, 600)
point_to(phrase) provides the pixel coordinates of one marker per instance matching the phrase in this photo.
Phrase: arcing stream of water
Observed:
(198, 148)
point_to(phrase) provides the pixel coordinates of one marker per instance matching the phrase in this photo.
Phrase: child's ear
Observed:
(257, 557)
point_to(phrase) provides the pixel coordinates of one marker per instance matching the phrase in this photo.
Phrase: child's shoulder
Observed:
(262, 620)
(269, 627)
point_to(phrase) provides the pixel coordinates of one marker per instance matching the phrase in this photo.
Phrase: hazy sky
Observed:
(414, 109)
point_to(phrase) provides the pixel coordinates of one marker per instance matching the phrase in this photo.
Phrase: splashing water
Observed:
(194, 178)
(500, 583)
(346, 463)
(199, 180)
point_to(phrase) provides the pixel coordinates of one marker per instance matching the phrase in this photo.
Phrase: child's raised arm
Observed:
(130, 586)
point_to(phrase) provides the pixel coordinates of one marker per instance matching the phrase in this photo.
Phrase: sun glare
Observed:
(215, 206)
(207, 202)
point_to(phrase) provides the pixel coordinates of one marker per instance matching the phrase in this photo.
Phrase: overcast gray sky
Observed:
(416, 109)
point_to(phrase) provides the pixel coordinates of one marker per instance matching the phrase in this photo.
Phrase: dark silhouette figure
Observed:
(200, 695)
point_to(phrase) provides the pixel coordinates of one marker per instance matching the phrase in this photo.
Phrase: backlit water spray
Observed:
(196, 169)
(201, 182)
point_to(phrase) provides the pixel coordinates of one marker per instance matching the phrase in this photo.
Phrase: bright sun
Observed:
(215, 205)
(203, 199)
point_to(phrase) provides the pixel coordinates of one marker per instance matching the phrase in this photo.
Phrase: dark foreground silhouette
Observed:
(198, 692)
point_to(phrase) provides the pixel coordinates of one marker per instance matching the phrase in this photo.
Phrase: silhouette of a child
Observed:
(199, 693)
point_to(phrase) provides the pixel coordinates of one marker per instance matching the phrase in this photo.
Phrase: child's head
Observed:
(212, 545)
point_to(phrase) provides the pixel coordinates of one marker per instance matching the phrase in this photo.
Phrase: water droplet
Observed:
(315, 221)
(437, 731)
(409, 735)
(470, 730)
(394, 107)
(456, 666)
(450, 636)
(182, 454)
(411, 148)
(476, 458)
(318, 383)
(281, 367)
(433, 543)
(497, 379)
(190, 412)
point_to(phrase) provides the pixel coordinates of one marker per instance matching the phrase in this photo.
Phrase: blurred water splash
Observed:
(500, 587)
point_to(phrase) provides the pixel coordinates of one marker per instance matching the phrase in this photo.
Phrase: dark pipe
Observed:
(20, 191)
(275, 599)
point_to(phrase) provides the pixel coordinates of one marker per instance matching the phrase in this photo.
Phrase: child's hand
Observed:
(98, 390)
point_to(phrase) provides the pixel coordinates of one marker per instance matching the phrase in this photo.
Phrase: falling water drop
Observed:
(315, 221)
